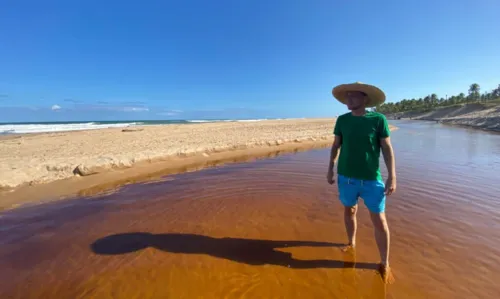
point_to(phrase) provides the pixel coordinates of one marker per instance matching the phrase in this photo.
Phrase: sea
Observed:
(42, 127)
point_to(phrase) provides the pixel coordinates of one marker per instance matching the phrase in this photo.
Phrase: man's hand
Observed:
(333, 155)
(390, 186)
(329, 178)
(387, 151)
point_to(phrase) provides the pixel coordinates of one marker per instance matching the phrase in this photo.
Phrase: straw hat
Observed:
(375, 95)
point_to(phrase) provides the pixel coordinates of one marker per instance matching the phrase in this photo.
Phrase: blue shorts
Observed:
(372, 193)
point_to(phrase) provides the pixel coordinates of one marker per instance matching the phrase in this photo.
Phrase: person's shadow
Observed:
(247, 251)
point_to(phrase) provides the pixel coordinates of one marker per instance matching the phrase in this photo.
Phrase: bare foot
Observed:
(348, 248)
(386, 274)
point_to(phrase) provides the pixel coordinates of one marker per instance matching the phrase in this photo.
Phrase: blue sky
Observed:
(96, 60)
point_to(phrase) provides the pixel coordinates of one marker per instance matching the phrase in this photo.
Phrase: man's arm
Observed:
(390, 163)
(337, 143)
(388, 154)
(334, 152)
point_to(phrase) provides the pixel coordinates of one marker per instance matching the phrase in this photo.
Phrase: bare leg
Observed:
(351, 226)
(382, 237)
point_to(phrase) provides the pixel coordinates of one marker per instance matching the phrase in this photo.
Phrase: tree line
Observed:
(432, 101)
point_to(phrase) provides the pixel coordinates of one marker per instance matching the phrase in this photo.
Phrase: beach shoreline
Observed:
(142, 172)
(42, 167)
(53, 166)
(45, 157)
(476, 115)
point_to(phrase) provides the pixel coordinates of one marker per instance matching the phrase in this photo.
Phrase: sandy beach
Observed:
(476, 115)
(42, 158)
(49, 166)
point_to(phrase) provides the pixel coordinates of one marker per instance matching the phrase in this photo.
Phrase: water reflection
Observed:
(446, 143)
(472, 139)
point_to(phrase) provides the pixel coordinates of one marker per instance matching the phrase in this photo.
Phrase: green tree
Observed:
(461, 97)
(453, 100)
(474, 91)
(427, 102)
(496, 92)
(432, 101)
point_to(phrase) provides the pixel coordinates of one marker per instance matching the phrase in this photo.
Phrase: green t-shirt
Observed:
(360, 150)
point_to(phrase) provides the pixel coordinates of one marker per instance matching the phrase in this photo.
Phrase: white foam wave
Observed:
(42, 128)
(201, 121)
(223, 120)
(250, 120)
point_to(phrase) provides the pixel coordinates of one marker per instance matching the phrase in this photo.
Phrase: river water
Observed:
(270, 229)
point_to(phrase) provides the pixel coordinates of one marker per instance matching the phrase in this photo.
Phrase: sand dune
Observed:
(488, 119)
(41, 158)
(479, 116)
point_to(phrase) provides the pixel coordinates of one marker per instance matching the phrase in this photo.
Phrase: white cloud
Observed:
(108, 107)
(56, 107)
(170, 112)
(135, 109)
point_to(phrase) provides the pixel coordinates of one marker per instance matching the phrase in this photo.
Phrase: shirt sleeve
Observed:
(384, 130)
(337, 130)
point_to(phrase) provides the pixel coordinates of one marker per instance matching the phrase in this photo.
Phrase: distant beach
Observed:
(45, 127)
(83, 161)
(484, 116)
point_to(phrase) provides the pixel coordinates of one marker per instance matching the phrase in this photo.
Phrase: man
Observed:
(360, 135)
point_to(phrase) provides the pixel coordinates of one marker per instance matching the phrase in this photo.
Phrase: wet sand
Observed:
(269, 229)
(111, 181)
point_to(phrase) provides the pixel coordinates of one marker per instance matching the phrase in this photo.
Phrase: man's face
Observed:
(356, 100)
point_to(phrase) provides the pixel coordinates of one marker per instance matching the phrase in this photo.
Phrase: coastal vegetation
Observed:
(433, 101)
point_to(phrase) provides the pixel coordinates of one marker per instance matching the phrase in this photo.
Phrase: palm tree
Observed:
(496, 92)
(461, 97)
(427, 102)
(474, 91)
(434, 100)
(453, 100)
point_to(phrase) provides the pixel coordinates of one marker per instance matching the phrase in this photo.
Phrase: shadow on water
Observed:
(247, 251)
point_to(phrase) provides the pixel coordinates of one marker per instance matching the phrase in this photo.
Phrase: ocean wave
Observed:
(43, 128)
(27, 128)
(201, 121)
(250, 120)
(222, 120)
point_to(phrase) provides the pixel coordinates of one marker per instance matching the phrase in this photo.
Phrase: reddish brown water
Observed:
(270, 229)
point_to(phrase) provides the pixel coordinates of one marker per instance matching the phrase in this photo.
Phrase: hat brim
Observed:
(375, 95)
